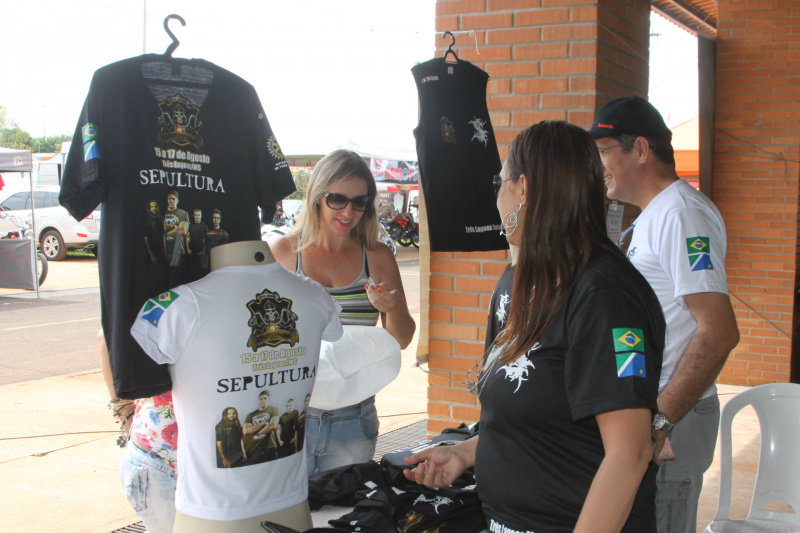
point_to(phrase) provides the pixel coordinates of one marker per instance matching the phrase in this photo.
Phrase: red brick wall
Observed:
(461, 287)
(562, 59)
(755, 178)
(548, 59)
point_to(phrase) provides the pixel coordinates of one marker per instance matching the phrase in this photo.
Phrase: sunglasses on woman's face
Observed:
(337, 201)
(497, 182)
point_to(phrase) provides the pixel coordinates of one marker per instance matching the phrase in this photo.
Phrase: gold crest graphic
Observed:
(448, 130)
(274, 148)
(411, 519)
(272, 320)
(179, 123)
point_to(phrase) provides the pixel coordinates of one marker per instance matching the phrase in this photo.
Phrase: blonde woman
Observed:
(335, 243)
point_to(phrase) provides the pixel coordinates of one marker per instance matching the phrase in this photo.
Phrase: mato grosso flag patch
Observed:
(155, 307)
(699, 250)
(89, 134)
(629, 351)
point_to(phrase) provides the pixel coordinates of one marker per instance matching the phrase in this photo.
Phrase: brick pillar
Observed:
(756, 139)
(548, 59)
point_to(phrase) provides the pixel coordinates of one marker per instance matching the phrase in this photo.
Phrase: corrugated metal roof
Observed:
(697, 16)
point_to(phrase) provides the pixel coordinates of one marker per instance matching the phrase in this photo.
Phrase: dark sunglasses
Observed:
(337, 201)
(497, 182)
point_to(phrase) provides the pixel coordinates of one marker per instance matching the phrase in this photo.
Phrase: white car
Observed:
(57, 230)
(291, 208)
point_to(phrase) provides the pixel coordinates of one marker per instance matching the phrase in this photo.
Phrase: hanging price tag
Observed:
(614, 221)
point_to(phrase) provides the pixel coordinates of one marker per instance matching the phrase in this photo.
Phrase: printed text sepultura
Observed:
(180, 179)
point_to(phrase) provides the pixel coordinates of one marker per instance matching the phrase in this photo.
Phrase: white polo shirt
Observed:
(679, 244)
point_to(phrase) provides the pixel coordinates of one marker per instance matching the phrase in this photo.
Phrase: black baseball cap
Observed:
(632, 115)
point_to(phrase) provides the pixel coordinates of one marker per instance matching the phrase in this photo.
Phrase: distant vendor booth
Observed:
(17, 264)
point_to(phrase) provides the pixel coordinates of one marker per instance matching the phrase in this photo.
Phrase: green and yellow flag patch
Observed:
(155, 307)
(629, 348)
(699, 249)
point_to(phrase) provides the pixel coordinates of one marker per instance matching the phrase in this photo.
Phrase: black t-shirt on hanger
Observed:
(159, 138)
(458, 157)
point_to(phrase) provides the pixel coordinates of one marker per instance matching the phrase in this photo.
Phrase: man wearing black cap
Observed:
(678, 244)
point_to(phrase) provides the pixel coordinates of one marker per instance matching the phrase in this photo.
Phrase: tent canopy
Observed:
(15, 160)
(395, 153)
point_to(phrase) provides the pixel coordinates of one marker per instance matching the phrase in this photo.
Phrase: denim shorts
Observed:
(342, 436)
(149, 484)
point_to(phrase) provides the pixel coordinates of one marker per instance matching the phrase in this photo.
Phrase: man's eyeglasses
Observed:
(497, 182)
(606, 149)
(337, 201)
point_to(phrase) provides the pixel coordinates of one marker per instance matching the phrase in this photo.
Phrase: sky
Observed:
(673, 71)
(327, 73)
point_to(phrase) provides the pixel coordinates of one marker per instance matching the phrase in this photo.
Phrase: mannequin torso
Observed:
(245, 253)
(297, 517)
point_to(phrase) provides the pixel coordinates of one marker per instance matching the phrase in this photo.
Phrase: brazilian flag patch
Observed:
(629, 352)
(699, 250)
(90, 149)
(154, 308)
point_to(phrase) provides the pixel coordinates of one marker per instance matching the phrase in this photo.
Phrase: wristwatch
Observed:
(661, 423)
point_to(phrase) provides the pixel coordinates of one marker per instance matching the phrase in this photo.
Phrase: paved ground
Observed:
(58, 458)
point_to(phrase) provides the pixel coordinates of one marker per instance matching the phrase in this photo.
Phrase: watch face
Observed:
(658, 420)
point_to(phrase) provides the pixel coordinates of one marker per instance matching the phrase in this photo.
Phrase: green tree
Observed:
(301, 178)
(49, 144)
(13, 136)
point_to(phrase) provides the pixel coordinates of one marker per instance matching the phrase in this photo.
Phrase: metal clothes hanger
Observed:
(450, 48)
(175, 42)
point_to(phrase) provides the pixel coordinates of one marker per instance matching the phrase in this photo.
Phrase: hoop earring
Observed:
(510, 221)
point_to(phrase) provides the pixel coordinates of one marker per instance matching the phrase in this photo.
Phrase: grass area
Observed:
(78, 253)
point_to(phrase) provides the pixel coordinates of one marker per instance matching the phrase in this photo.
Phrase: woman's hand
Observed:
(391, 303)
(388, 296)
(439, 466)
(386, 299)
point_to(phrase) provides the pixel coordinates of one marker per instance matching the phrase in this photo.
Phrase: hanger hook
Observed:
(450, 47)
(452, 40)
(175, 41)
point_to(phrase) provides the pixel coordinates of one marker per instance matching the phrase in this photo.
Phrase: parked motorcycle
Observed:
(23, 231)
(383, 236)
(404, 230)
(279, 228)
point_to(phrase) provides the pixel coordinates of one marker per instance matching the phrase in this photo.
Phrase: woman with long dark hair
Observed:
(569, 387)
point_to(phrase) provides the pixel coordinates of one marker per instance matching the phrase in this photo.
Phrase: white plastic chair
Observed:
(778, 478)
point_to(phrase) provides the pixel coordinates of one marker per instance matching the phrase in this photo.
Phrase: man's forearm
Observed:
(716, 335)
(696, 372)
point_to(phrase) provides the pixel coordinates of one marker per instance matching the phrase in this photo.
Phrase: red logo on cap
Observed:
(601, 125)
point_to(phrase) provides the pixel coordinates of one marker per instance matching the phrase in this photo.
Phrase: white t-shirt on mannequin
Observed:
(244, 329)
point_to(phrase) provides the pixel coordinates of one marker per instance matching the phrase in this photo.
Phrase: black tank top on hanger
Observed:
(458, 157)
